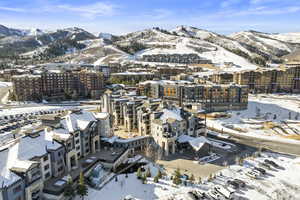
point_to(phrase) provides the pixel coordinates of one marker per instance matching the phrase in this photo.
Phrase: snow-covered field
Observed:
(5, 84)
(277, 184)
(37, 108)
(271, 116)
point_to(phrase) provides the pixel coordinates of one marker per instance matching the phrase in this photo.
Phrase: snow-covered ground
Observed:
(277, 184)
(37, 108)
(5, 84)
(272, 116)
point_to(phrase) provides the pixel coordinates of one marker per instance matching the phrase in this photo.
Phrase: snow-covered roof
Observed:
(184, 138)
(19, 154)
(173, 113)
(59, 132)
(198, 142)
(31, 147)
(120, 140)
(102, 115)
(78, 121)
(6, 176)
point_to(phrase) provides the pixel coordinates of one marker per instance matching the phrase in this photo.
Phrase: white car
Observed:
(215, 195)
(226, 192)
(251, 174)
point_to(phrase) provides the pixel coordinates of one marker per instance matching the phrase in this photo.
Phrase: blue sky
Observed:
(123, 16)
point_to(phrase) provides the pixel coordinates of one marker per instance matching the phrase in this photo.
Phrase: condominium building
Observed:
(132, 76)
(153, 117)
(58, 85)
(264, 80)
(209, 97)
(30, 164)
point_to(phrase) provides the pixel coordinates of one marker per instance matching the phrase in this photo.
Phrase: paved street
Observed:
(276, 146)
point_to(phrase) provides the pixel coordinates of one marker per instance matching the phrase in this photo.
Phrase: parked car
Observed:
(226, 192)
(257, 173)
(261, 170)
(271, 162)
(215, 195)
(233, 184)
(240, 182)
(251, 174)
(265, 165)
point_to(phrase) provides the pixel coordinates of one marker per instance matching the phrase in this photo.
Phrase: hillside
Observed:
(243, 50)
(274, 46)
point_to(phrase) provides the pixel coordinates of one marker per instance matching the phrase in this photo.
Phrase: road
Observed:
(276, 146)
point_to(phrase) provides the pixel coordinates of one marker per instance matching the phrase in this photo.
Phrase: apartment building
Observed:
(209, 97)
(26, 164)
(264, 80)
(27, 87)
(132, 76)
(152, 117)
(31, 162)
(169, 122)
(176, 58)
(58, 85)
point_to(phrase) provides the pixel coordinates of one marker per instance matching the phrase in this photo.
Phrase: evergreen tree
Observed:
(139, 173)
(159, 174)
(177, 177)
(69, 191)
(148, 173)
(156, 179)
(82, 189)
(200, 180)
(192, 178)
(144, 178)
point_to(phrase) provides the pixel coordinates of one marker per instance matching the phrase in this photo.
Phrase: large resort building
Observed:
(264, 80)
(58, 85)
(208, 97)
(32, 167)
(152, 117)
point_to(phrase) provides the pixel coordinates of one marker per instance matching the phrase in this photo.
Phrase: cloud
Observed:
(12, 9)
(89, 11)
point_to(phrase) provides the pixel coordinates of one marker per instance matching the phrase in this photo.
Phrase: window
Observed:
(77, 141)
(17, 189)
(45, 158)
(47, 175)
(46, 167)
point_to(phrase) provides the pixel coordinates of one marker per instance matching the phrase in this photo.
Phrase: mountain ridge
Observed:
(241, 48)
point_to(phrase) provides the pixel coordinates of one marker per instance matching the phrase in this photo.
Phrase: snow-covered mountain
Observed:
(243, 50)
(274, 45)
(5, 31)
(36, 40)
